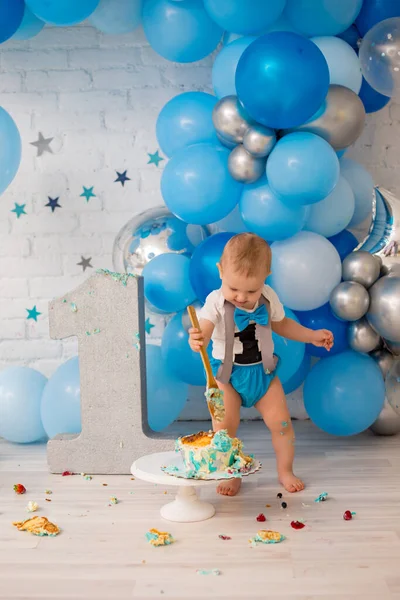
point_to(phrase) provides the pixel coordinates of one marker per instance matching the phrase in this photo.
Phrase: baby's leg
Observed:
(276, 416)
(232, 403)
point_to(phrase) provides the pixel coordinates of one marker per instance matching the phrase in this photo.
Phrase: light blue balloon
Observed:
(10, 150)
(166, 395)
(180, 360)
(282, 24)
(196, 184)
(343, 62)
(302, 169)
(224, 67)
(180, 31)
(167, 284)
(11, 15)
(244, 17)
(298, 378)
(305, 269)
(117, 16)
(232, 222)
(334, 213)
(186, 120)
(62, 12)
(266, 215)
(61, 400)
(291, 353)
(362, 185)
(344, 394)
(29, 27)
(327, 17)
(21, 391)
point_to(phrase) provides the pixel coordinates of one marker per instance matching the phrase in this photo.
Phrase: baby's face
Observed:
(242, 291)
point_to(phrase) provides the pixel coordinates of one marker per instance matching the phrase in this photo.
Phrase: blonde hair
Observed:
(247, 253)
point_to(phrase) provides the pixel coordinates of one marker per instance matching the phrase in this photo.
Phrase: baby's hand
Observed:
(196, 339)
(322, 338)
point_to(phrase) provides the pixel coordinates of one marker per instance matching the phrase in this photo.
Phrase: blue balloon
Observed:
(10, 150)
(232, 222)
(344, 242)
(180, 31)
(375, 11)
(180, 360)
(351, 36)
(298, 378)
(196, 184)
(203, 272)
(117, 16)
(186, 120)
(30, 26)
(11, 15)
(166, 282)
(244, 17)
(302, 168)
(362, 185)
(323, 318)
(62, 12)
(21, 391)
(333, 213)
(266, 215)
(344, 394)
(372, 100)
(61, 400)
(291, 353)
(327, 17)
(282, 79)
(340, 153)
(225, 64)
(344, 64)
(166, 395)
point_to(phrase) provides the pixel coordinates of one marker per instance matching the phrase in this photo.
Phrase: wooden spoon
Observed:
(214, 396)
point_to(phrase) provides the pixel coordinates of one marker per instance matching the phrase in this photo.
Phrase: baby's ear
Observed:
(220, 270)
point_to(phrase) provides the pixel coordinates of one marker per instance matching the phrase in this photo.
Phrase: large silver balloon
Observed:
(361, 336)
(244, 167)
(388, 422)
(259, 140)
(361, 267)
(384, 310)
(393, 386)
(154, 231)
(384, 360)
(340, 120)
(349, 301)
(230, 120)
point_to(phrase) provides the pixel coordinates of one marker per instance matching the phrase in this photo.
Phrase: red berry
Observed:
(19, 488)
(66, 473)
(261, 518)
(297, 525)
(347, 515)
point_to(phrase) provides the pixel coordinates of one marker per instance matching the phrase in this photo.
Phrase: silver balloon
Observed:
(349, 301)
(154, 231)
(384, 310)
(361, 267)
(244, 167)
(361, 336)
(230, 120)
(259, 140)
(393, 387)
(393, 347)
(384, 360)
(388, 422)
(226, 143)
(340, 120)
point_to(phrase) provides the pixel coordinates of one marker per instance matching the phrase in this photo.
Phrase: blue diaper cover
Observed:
(250, 381)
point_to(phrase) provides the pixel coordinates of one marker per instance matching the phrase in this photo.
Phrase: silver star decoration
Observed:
(85, 263)
(43, 145)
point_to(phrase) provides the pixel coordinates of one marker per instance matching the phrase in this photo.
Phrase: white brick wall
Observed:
(99, 97)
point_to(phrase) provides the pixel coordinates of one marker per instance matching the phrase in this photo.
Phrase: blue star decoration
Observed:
(53, 203)
(154, 159)
(122, 177)
(88, 193)
(33, 313)
(148, 326)
(19, 209)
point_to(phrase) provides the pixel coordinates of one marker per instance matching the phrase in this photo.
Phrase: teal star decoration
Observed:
(53, 203)
(33, 313)
(88, 193)
(19, 209)
(122, 177)
(148, 326)
(155, 158)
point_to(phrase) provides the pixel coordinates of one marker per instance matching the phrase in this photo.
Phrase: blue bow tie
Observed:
(242, 318)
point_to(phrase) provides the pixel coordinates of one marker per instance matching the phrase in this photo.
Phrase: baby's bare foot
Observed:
(290, 482)
(229, 487)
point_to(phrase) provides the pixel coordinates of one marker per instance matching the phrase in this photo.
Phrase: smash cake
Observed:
(205, 454)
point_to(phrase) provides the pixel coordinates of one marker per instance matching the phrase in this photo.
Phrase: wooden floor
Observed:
(102, 552)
